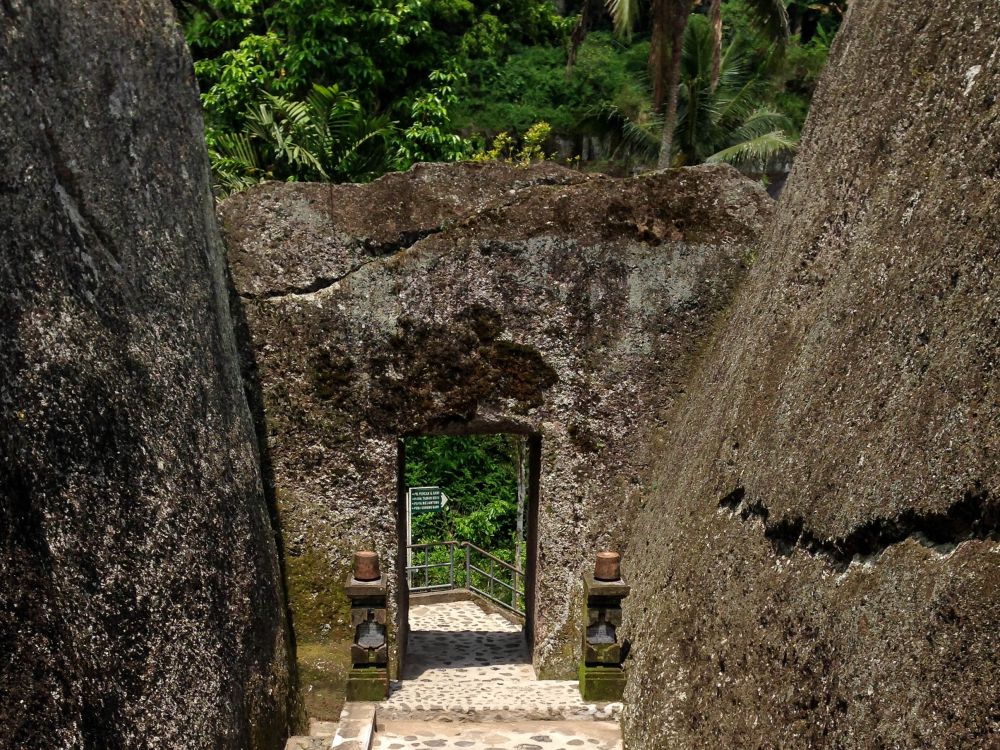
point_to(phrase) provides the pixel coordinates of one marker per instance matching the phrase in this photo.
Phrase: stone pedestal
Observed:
(368, 679)
(602, 677)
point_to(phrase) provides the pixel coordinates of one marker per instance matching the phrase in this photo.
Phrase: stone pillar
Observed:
(368, 679)
(602, 676)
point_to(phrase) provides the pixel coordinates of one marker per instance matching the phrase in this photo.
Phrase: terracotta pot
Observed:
(608, 566)
(366, 566)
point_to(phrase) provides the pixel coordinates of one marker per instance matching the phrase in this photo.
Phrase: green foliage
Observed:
(727, 124)
(531, 86)
(792, 71)
(324, 137)
(428, 137)
(479, 476)
(504, 147)
(402, 58)
(430, 78)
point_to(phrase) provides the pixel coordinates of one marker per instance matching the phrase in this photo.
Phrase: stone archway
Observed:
(528, 564)
(449, 298)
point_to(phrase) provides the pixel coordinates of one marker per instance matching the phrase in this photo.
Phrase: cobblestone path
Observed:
(519, 735)
(469, 684)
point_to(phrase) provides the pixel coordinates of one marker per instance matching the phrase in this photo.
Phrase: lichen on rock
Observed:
(140, 589)
(815, 561)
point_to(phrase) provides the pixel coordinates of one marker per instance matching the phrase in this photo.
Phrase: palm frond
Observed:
(624, 14)
(771, 17)
(760, 122)
(756, 152)
(628, 138)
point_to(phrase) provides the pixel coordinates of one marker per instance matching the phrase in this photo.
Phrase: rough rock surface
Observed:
(476, 297)
(140, 594)
(818, 562)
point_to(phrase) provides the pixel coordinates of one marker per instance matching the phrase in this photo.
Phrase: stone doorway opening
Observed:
(467, 556)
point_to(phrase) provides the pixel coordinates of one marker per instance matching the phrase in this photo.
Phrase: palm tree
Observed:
(325, 137)
(720, 123)
(770, 15)
(720, 119)
(669, 20)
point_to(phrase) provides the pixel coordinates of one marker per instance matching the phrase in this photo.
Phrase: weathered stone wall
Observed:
(817, 563)
(468, 298)
(140, 595)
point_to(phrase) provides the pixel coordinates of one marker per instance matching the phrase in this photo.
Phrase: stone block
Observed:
(602, 653)
(367, 684)
(604, 684)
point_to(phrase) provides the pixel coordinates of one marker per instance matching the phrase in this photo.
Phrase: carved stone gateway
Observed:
(471, 298)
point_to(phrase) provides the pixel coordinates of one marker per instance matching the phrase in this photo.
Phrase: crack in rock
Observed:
(376, 251)
(67, 188)
(975, 516)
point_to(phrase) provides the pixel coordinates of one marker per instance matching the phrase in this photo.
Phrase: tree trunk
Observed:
(579, 34)
(658, 11)
(715, 18)
(679, 10)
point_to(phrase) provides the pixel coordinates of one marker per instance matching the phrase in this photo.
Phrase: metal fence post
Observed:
(468, 567)
(451, 565)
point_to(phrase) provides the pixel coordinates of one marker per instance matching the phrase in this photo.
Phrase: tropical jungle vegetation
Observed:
(350, 89)
(479, 476)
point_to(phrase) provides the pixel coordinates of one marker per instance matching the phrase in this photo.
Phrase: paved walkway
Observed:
(469, 684)
(519, 735)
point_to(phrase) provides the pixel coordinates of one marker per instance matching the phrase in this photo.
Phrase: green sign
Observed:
(426, 500)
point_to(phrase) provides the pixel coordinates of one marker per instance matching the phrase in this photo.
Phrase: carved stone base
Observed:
(367, 684)
(605, 684)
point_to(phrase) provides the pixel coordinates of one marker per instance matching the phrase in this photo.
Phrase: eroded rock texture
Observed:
(817, 563)
(140, 599)
(477, 297)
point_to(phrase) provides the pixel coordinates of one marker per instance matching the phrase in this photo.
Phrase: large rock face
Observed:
(471, 298)
(140, 592)
(817, 565)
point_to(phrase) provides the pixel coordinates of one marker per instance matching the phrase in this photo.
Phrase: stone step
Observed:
(433, 709)
(356, 727)
(512, 735)
(302, 742)
(354, 731)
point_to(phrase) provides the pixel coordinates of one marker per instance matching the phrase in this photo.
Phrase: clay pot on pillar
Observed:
(368, 679)
(366, 566)
(608, 566)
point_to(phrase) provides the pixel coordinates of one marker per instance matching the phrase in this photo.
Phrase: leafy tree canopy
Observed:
(396, 57)
(479, 476)
(429, 80)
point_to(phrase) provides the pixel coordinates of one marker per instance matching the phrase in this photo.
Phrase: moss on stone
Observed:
(323, 666)
(315, 593)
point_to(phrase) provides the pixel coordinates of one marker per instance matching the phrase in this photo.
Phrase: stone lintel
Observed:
(594, 588)
(356, 589)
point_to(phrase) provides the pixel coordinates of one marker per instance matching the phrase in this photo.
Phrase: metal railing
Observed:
(439, 566)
